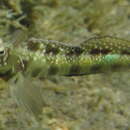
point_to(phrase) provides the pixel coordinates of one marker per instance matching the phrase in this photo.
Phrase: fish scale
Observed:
(41, 58)
(106, 45)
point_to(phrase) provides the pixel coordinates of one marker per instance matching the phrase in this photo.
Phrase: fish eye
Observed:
(2, 51)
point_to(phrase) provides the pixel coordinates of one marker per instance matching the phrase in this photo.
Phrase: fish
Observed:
(42, 58)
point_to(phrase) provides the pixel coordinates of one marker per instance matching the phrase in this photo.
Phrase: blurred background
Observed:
(93, 102)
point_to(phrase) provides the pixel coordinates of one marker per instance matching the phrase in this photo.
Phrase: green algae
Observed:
(74, 103)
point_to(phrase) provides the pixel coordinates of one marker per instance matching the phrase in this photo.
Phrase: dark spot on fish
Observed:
(96, 68)
(74, 51)
(33, 45)
(74, 70)
(52, 70)
(100, 51)
(125, 52)
(51, 50)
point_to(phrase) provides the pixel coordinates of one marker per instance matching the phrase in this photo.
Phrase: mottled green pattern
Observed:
(42, 58)
(106, 44)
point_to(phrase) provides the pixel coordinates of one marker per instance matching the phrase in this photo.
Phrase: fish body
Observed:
(41, 58)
